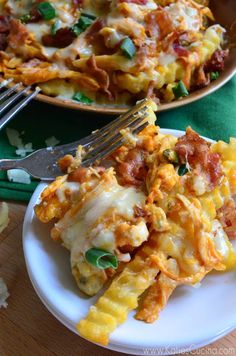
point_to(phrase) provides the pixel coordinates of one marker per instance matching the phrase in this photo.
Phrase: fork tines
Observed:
(111, 137)
(102, 154)
(98, 145)
(11, 97)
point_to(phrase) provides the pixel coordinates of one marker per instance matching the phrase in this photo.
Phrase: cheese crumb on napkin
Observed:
(18, 176)
(15, 140)
(3, 294)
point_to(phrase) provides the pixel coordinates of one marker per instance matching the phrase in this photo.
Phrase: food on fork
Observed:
(111, 52)
(158, 213)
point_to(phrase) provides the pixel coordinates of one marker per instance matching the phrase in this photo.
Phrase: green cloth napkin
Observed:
(213, 116)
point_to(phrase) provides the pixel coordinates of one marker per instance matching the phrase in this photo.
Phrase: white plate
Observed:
(192, 318)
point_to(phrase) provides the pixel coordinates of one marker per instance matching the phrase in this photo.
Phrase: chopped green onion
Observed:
(47, 10)
(55, 27)
(180, 90)
(182, 170)
(214, 75)
(171, 156)
(83, 23)
(25, 18)
(128, 48)
(77, 30)
(92, 17)
(82, 98)
(101, 259)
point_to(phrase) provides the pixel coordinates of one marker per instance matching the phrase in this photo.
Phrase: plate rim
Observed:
(225, 77)
(112, 110)
(66, 323)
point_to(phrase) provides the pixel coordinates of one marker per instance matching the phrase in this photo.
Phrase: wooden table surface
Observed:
(28, 329)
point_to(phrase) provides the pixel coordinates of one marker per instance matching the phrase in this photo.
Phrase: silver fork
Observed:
(42, 164)
(11, 97)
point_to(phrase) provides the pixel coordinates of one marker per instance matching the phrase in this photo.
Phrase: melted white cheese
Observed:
(165, 58)
(138, 234)
(184, 17)
(71, 187)
(111, 37)
(49, 51)
(105, 240)
(19, 7)
(65, 16)
(77, 229)
(200, 184)
(38, 30)
(78, 47)
(220, 238)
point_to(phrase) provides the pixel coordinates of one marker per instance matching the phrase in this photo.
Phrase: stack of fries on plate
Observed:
(162, 215)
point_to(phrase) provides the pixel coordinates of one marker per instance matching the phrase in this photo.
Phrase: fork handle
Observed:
(6, 164)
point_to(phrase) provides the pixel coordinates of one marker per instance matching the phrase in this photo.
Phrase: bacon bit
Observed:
(139, 212)
(216, 62)
(4, 24)
(79, 175)
(35, 62)
(141, 56)
(152, 93)
(133, 171)
(4, 31)
(202, 79)
(227, 217)
(63, 38)
(152, 27)
(151, 87)
(3, 41)
(126, 248)
(144, 51)
(18, 34)
(65, 162)
(180, 50)
(93, 31)
(231, 234)
(110, 272)
(138, 2)
(193, 149)
(158, 23)
(177, 40)
(214, 168)
(76, 4)
(35, 15)
(99, 74)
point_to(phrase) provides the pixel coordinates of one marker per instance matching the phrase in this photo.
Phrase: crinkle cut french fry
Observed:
(121, 297)
(157, 295)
